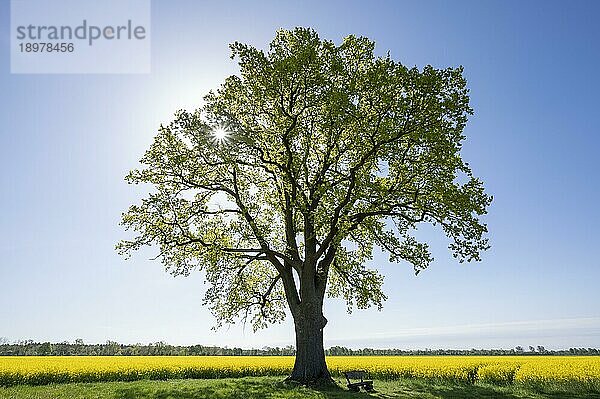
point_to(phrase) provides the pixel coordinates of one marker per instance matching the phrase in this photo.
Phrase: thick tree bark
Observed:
(310, 367)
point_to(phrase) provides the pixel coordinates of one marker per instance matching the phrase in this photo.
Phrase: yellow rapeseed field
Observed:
(579, 370)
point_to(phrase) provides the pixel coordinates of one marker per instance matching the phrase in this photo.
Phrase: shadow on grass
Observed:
(257, 389)
(231, 389)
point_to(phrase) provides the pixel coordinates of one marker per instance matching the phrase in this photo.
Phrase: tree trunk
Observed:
(310, 367)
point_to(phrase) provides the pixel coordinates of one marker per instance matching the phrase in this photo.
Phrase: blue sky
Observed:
(66, 141)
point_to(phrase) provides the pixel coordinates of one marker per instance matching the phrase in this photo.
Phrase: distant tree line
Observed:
(111, 348)
(539, 350)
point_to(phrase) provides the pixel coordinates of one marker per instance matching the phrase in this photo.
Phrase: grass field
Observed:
(211, 376)
(272, 387)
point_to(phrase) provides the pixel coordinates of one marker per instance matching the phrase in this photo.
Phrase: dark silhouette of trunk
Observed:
(306, 305)
(310, 366)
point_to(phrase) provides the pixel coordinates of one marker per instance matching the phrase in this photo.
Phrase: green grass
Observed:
(273, 387)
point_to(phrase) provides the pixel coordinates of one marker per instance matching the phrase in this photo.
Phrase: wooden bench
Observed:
(358, 375)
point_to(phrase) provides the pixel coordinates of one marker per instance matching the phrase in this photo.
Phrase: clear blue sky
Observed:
(66, 141)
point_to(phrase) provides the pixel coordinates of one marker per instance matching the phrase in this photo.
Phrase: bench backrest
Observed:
(355, 375)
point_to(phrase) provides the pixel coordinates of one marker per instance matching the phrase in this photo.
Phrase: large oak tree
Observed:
(280, 187)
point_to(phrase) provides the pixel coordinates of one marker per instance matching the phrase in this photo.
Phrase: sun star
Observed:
(220, 134)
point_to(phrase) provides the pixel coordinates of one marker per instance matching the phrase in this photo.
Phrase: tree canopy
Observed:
(294, 170)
